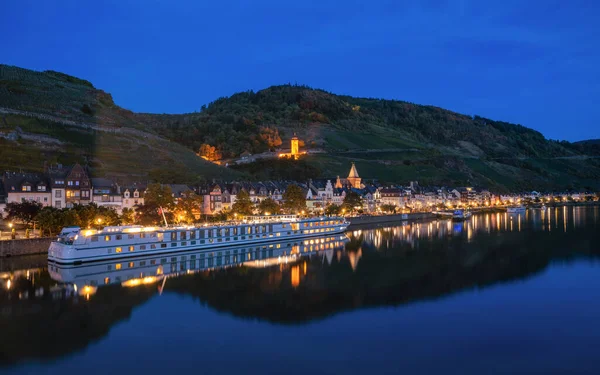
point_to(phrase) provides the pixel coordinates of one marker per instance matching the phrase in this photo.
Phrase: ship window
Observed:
(173, 236)
(94, 238)
(202, 241)
(193, 243)
(142, 235)
(183, 243)
(142, 263)
(118, 266)
(163, 245)
(106, 238)
(173, 244)
(130, 248)
(174, 259)
(118, 250)
(182, 235)
(278, 234)
(142, 247)
(130, 264)
(130, 236)
(153, 246)
(193, 235)
(153, 262)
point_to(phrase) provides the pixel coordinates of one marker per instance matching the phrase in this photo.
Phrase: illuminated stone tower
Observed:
(353, 178)
(294, 150)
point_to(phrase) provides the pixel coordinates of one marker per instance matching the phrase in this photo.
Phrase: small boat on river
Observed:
(461, 215)
(516, 210)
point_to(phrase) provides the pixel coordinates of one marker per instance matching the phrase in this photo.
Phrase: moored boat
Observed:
(460, 215)
(516, 210)
(76, 245)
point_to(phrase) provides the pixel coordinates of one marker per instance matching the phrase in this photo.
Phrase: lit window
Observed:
(118, 266)
(130, 248)
(118, 250)
(130, 264)
(106, 238)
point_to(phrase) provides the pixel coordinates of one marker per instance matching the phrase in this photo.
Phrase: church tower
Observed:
(294, 149)
(353, 177)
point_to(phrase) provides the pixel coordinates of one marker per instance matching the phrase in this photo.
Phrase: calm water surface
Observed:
(498, 294)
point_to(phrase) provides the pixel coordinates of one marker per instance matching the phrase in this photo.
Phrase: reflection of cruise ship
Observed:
(76, 245)
(85, 279)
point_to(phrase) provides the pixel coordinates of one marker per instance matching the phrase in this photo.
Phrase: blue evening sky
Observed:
(535, 62)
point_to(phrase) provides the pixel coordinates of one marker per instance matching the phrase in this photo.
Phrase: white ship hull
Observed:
(77, 246)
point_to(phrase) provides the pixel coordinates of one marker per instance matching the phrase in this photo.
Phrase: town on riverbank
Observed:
(40, 204)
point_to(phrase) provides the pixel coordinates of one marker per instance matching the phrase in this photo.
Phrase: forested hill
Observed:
(390, 140)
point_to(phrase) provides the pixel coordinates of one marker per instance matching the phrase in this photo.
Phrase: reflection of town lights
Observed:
(8, 283)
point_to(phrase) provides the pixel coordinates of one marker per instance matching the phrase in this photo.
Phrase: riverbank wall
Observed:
(387, 219)
(10, 248)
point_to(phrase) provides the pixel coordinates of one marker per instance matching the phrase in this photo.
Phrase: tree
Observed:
(352, 202)
(186, 206)
(158, 195)
(209, 152)
(243, 205)
(24, 212)
(332, 209)
(390, 208)
(269, 206)
(50, 220)
(128, 216)
(294, 199)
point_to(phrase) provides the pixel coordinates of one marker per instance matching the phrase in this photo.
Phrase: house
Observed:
(20, 187)
(76, 185)
(133, 196)
(211, 198)
(106, 193)
(392, 196)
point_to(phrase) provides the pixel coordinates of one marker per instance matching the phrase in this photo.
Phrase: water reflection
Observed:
(53, 311)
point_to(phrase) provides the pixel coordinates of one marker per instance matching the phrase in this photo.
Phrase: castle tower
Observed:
(294, 150)
(353, 177)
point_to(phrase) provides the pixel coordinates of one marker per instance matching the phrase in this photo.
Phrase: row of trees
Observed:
(160, 205)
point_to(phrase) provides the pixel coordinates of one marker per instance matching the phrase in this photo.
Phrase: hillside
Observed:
(52, 117)
(390, 140)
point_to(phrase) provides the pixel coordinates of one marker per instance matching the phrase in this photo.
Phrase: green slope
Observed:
(390, 140)
(44, 118)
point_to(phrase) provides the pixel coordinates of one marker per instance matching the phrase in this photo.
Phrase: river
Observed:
(497, 294)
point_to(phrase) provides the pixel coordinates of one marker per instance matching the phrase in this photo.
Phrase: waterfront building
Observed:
(133, 196)
(106, 193)
(22, 187)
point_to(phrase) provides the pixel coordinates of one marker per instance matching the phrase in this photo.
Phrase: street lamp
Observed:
(10, 225)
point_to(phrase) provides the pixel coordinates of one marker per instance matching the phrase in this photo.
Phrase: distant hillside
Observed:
(52, 117)
(390, 140)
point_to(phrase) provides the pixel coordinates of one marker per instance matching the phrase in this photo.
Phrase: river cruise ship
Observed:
(75, 245)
